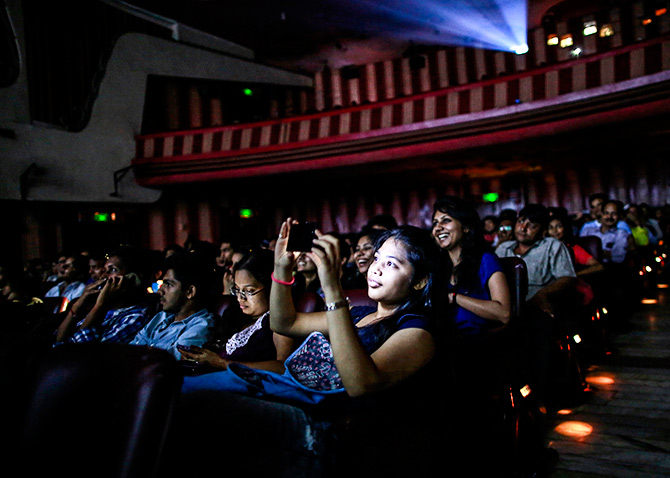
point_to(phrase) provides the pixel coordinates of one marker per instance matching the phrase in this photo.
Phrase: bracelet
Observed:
(337, 305)
(274, 279)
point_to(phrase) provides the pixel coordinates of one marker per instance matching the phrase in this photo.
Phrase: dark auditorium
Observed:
(398, 238)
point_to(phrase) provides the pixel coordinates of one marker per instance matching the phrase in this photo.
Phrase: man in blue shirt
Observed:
(114, 307)
(184, 320)
(616, 241)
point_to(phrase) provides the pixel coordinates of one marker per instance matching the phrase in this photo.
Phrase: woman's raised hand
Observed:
(284, 259)
(326, 256)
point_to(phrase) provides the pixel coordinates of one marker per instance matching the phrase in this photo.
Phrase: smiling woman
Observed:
(477, 289)
(373, 360)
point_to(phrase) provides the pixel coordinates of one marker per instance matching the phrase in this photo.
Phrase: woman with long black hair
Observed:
(477, 287)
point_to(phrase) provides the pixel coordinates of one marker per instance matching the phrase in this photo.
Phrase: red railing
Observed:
(363, 133)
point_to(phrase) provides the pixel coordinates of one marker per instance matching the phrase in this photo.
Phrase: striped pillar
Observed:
(172, 106)
(205, 222)
(336, 85)
(157, 237)
(194, 107)
(370, 76)
(182, 225)
(215, 112)
(319, 91)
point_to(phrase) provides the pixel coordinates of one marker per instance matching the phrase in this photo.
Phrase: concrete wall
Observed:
(80, 166)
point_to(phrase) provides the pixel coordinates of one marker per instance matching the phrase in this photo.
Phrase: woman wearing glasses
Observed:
(253, 343)
(362, 368)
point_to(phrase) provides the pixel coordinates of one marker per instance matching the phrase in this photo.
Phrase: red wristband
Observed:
(274, 279)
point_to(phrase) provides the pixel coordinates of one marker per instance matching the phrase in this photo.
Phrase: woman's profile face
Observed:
(363, 254)
(390, 274)
(447, 231)
(251, 295)
(555, 229)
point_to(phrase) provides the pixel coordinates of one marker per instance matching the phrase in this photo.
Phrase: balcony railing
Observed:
(419, 124)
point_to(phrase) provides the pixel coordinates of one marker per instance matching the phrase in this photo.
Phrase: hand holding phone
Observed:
(301, 237)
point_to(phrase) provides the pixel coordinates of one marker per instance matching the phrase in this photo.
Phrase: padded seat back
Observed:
(593, 245)
(98, 409)
(516, 274)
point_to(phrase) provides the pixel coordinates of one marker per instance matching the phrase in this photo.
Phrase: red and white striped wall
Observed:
(171, 157)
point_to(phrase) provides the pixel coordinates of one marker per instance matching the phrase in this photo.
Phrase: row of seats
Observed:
(110, 405)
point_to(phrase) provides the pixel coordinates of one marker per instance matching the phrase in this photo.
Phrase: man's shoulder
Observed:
(201, 315)
(505, 249)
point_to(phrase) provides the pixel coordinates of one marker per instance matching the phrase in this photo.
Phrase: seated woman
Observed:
(586, 266)
(477, 286)
(251, 342)
(363, 257)
(350, 360)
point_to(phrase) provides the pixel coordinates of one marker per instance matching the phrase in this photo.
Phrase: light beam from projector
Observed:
(493, 24)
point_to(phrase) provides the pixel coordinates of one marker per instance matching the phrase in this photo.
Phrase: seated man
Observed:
(72, 283)
(616, 241)
(597, 203)
(551, 282)
(185, 291)
(113, 308)
(96, 266)
(549, 264)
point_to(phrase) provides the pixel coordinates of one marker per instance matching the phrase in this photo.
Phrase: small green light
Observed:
(246, 213)
(248, 91)
(101, 216)
(490, 197)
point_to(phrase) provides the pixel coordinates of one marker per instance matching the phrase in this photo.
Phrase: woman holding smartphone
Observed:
(367, 360)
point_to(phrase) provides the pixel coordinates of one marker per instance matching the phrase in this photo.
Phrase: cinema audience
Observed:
(73, 274)
(376, 351)
(113, 308)
(377, 354)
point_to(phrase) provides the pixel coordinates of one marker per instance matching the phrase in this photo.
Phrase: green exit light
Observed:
(246, 213)
(101, 216)
(490, 197)
(248, 91)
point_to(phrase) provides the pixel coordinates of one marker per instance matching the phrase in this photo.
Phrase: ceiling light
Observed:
(590, 28)
(566, 41)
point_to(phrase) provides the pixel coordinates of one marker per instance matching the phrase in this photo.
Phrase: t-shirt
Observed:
(581, 256)
(465, 321)
(546, 261)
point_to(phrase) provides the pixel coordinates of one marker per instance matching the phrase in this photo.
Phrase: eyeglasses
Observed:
(243, 294)
(505, 228)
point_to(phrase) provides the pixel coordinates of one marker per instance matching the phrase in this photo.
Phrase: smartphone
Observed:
(301, 236)
(185, 348)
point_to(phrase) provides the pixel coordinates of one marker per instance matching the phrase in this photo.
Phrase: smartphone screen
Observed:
(301, 236)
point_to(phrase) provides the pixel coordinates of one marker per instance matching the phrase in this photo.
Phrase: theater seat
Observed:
(593, 245)
(97, 410)
(222, 303)
(309, 302)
